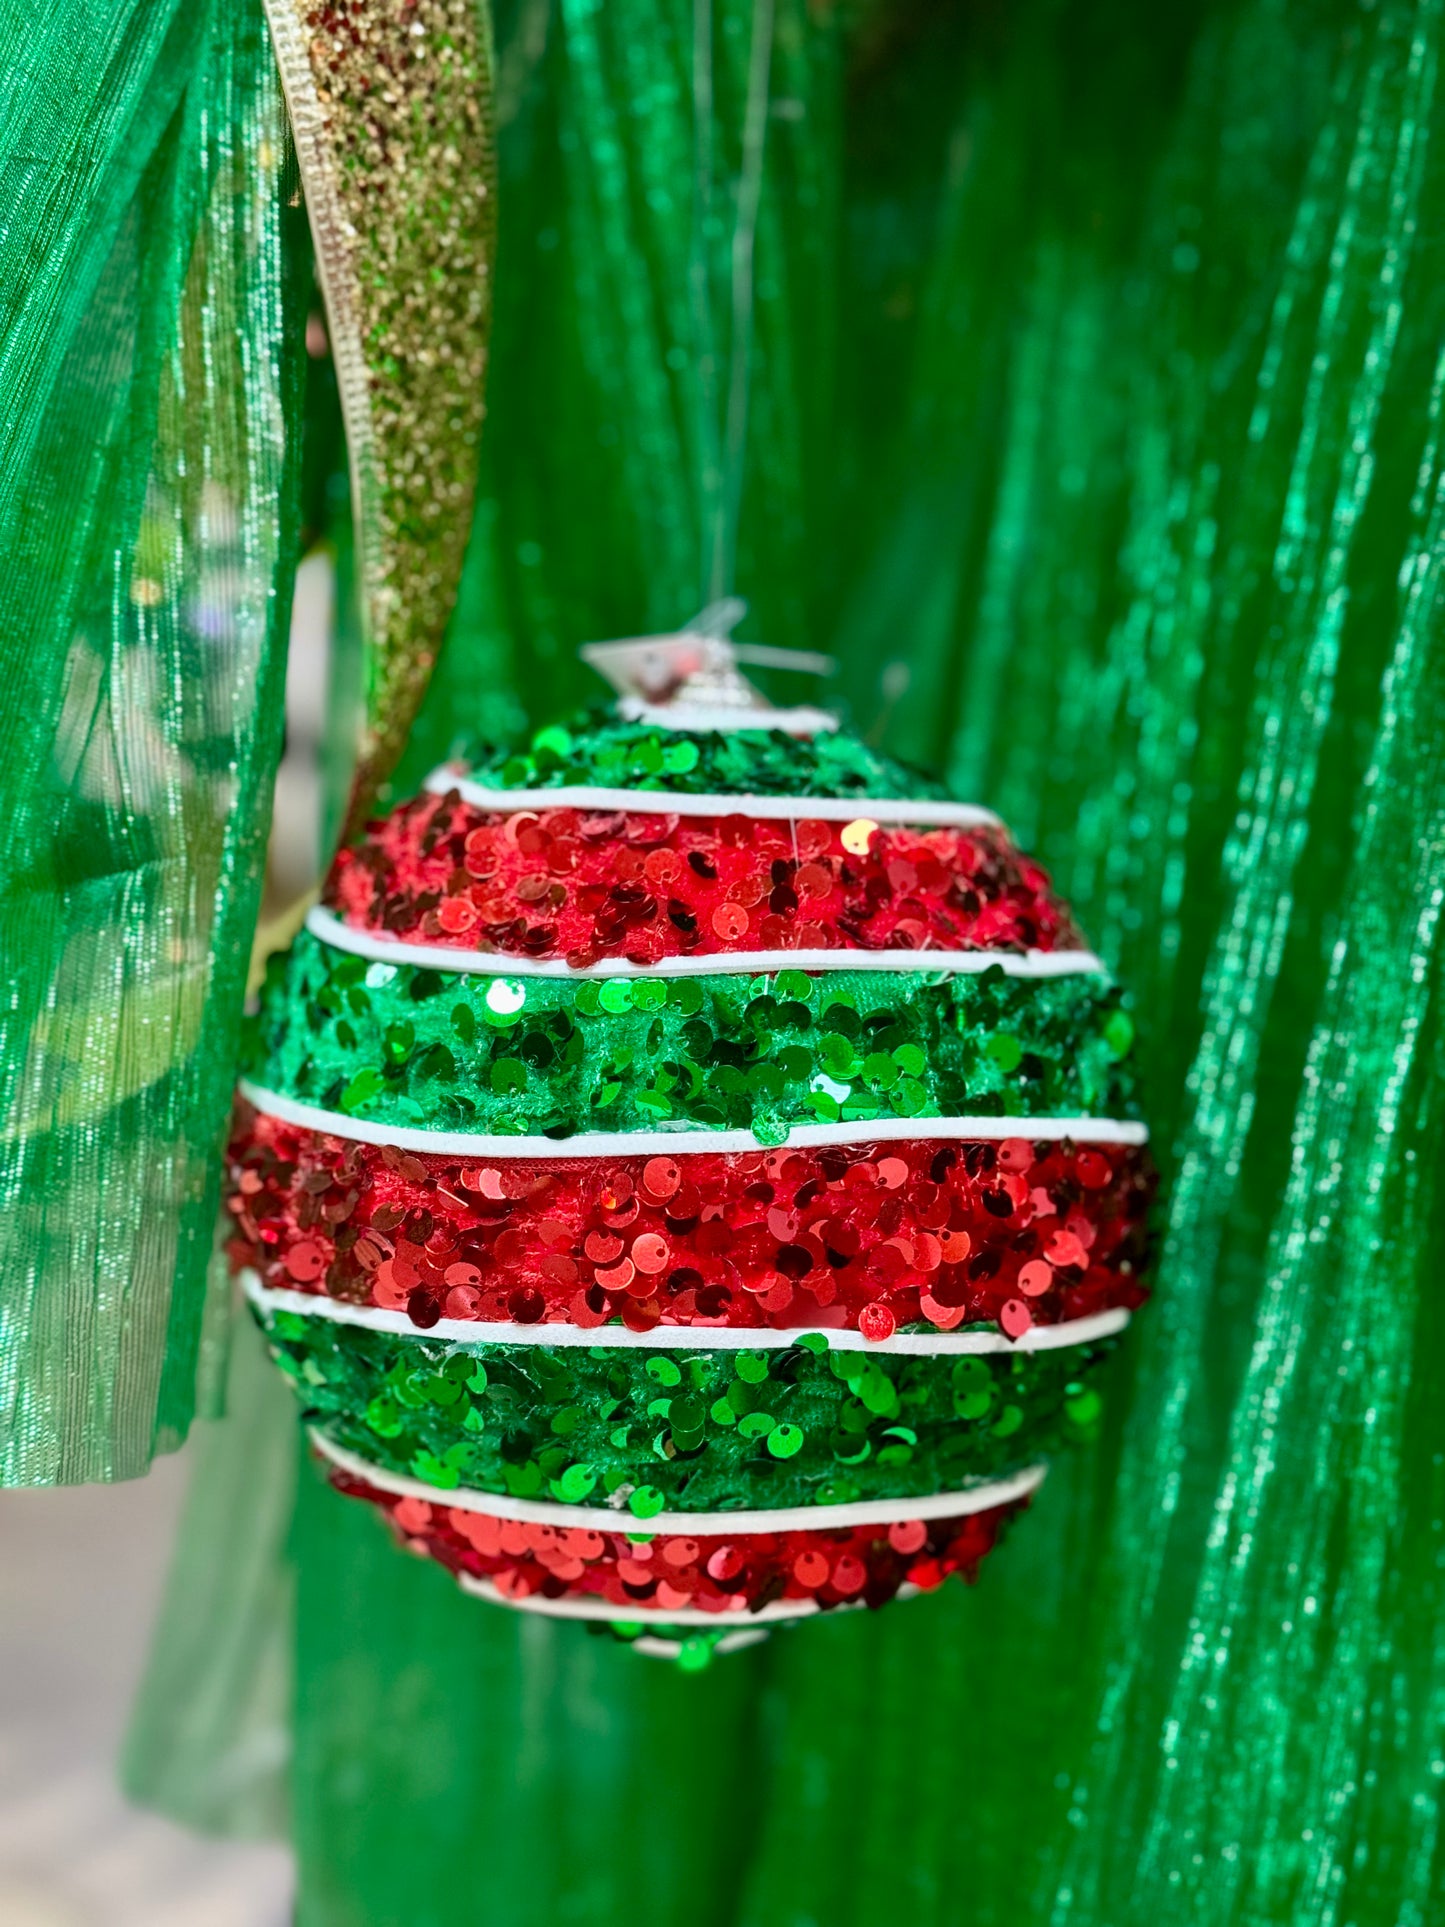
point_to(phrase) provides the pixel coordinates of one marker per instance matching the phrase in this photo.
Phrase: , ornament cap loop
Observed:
(690, 679)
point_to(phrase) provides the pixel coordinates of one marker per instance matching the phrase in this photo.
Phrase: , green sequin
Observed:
(738, 1430)
(405, 1045)
(595, 748)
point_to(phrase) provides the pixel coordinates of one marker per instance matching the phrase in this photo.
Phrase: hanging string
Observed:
(750, 193)
(723, 446)
(705, 349)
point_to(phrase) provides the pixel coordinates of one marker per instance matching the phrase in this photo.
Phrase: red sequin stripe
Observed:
(585, 885)
(670, 1573)
(862, 1236)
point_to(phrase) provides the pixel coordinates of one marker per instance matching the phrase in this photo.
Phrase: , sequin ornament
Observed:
(687, 1178)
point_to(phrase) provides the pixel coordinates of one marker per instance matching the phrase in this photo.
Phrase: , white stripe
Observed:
(676, 1143)
(586, 1606)
(727, 963)
(700, 718)
(707, 1525)
(920, 812)
(651, 1646)
(707, 1338)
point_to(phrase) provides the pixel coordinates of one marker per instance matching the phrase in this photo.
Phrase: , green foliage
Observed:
(1095, 424)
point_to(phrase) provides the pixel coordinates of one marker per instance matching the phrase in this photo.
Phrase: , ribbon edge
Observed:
(339, 289)
(384, 583)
